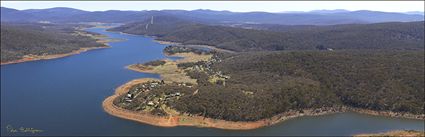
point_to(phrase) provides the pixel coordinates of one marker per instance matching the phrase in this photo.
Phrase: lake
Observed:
(64, 97)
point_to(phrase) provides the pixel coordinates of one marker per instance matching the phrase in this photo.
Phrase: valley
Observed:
(198, 72)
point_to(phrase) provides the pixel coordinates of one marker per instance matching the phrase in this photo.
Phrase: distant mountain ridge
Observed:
(415, 12)
(155, 26)
(319, 17)
(329, 11)
(392, 35)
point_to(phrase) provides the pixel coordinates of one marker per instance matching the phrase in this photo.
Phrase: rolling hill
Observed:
(393, 35)
(207, 16)
(18, 40)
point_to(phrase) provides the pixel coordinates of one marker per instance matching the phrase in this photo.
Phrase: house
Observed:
(156, 100)
(196, 92)
(150, 103)
(130, 96)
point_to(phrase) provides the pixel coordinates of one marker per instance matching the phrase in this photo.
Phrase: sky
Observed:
(236, 6)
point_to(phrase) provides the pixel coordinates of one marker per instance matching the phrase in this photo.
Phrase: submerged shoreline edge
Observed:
(53, 56)
(173, 121)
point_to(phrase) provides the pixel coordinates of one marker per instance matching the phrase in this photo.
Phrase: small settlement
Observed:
(215, 77)
(146, 96)
(158, 97)
(141, 88)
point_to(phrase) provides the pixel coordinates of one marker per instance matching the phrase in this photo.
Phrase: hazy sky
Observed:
(239, 6)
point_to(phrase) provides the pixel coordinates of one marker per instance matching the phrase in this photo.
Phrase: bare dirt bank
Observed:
(198, 121)
(400, 133)
(169, 72)
(386, 113)
(102, 39)
(27, 58)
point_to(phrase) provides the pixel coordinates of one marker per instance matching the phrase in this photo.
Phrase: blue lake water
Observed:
(64, 97)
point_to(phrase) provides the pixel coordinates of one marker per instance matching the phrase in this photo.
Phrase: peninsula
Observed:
(237, 78)
(47, 41)
(157, 112)
(185, 94)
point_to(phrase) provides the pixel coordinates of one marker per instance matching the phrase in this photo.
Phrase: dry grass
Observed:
(169, 71)
(191, 57)
(99, 38)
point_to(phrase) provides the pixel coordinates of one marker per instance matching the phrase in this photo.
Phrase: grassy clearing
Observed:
(191, 57)
(169, 71)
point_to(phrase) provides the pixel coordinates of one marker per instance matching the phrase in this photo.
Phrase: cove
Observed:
(64, 97)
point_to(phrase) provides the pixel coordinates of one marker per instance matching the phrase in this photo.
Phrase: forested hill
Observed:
(264, 84)
(393, 35)
(18, 40)
(155, 26)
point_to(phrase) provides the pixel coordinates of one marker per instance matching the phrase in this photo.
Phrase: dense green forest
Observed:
(405, 36)
(18, 40)
(263, 84)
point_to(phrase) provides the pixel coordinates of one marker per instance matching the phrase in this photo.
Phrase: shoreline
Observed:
(53, 56)
(102, 39)
(404, 133)
(169, 72)
(171, 43)
(199, 121)
(387, 113)
(204, 122)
